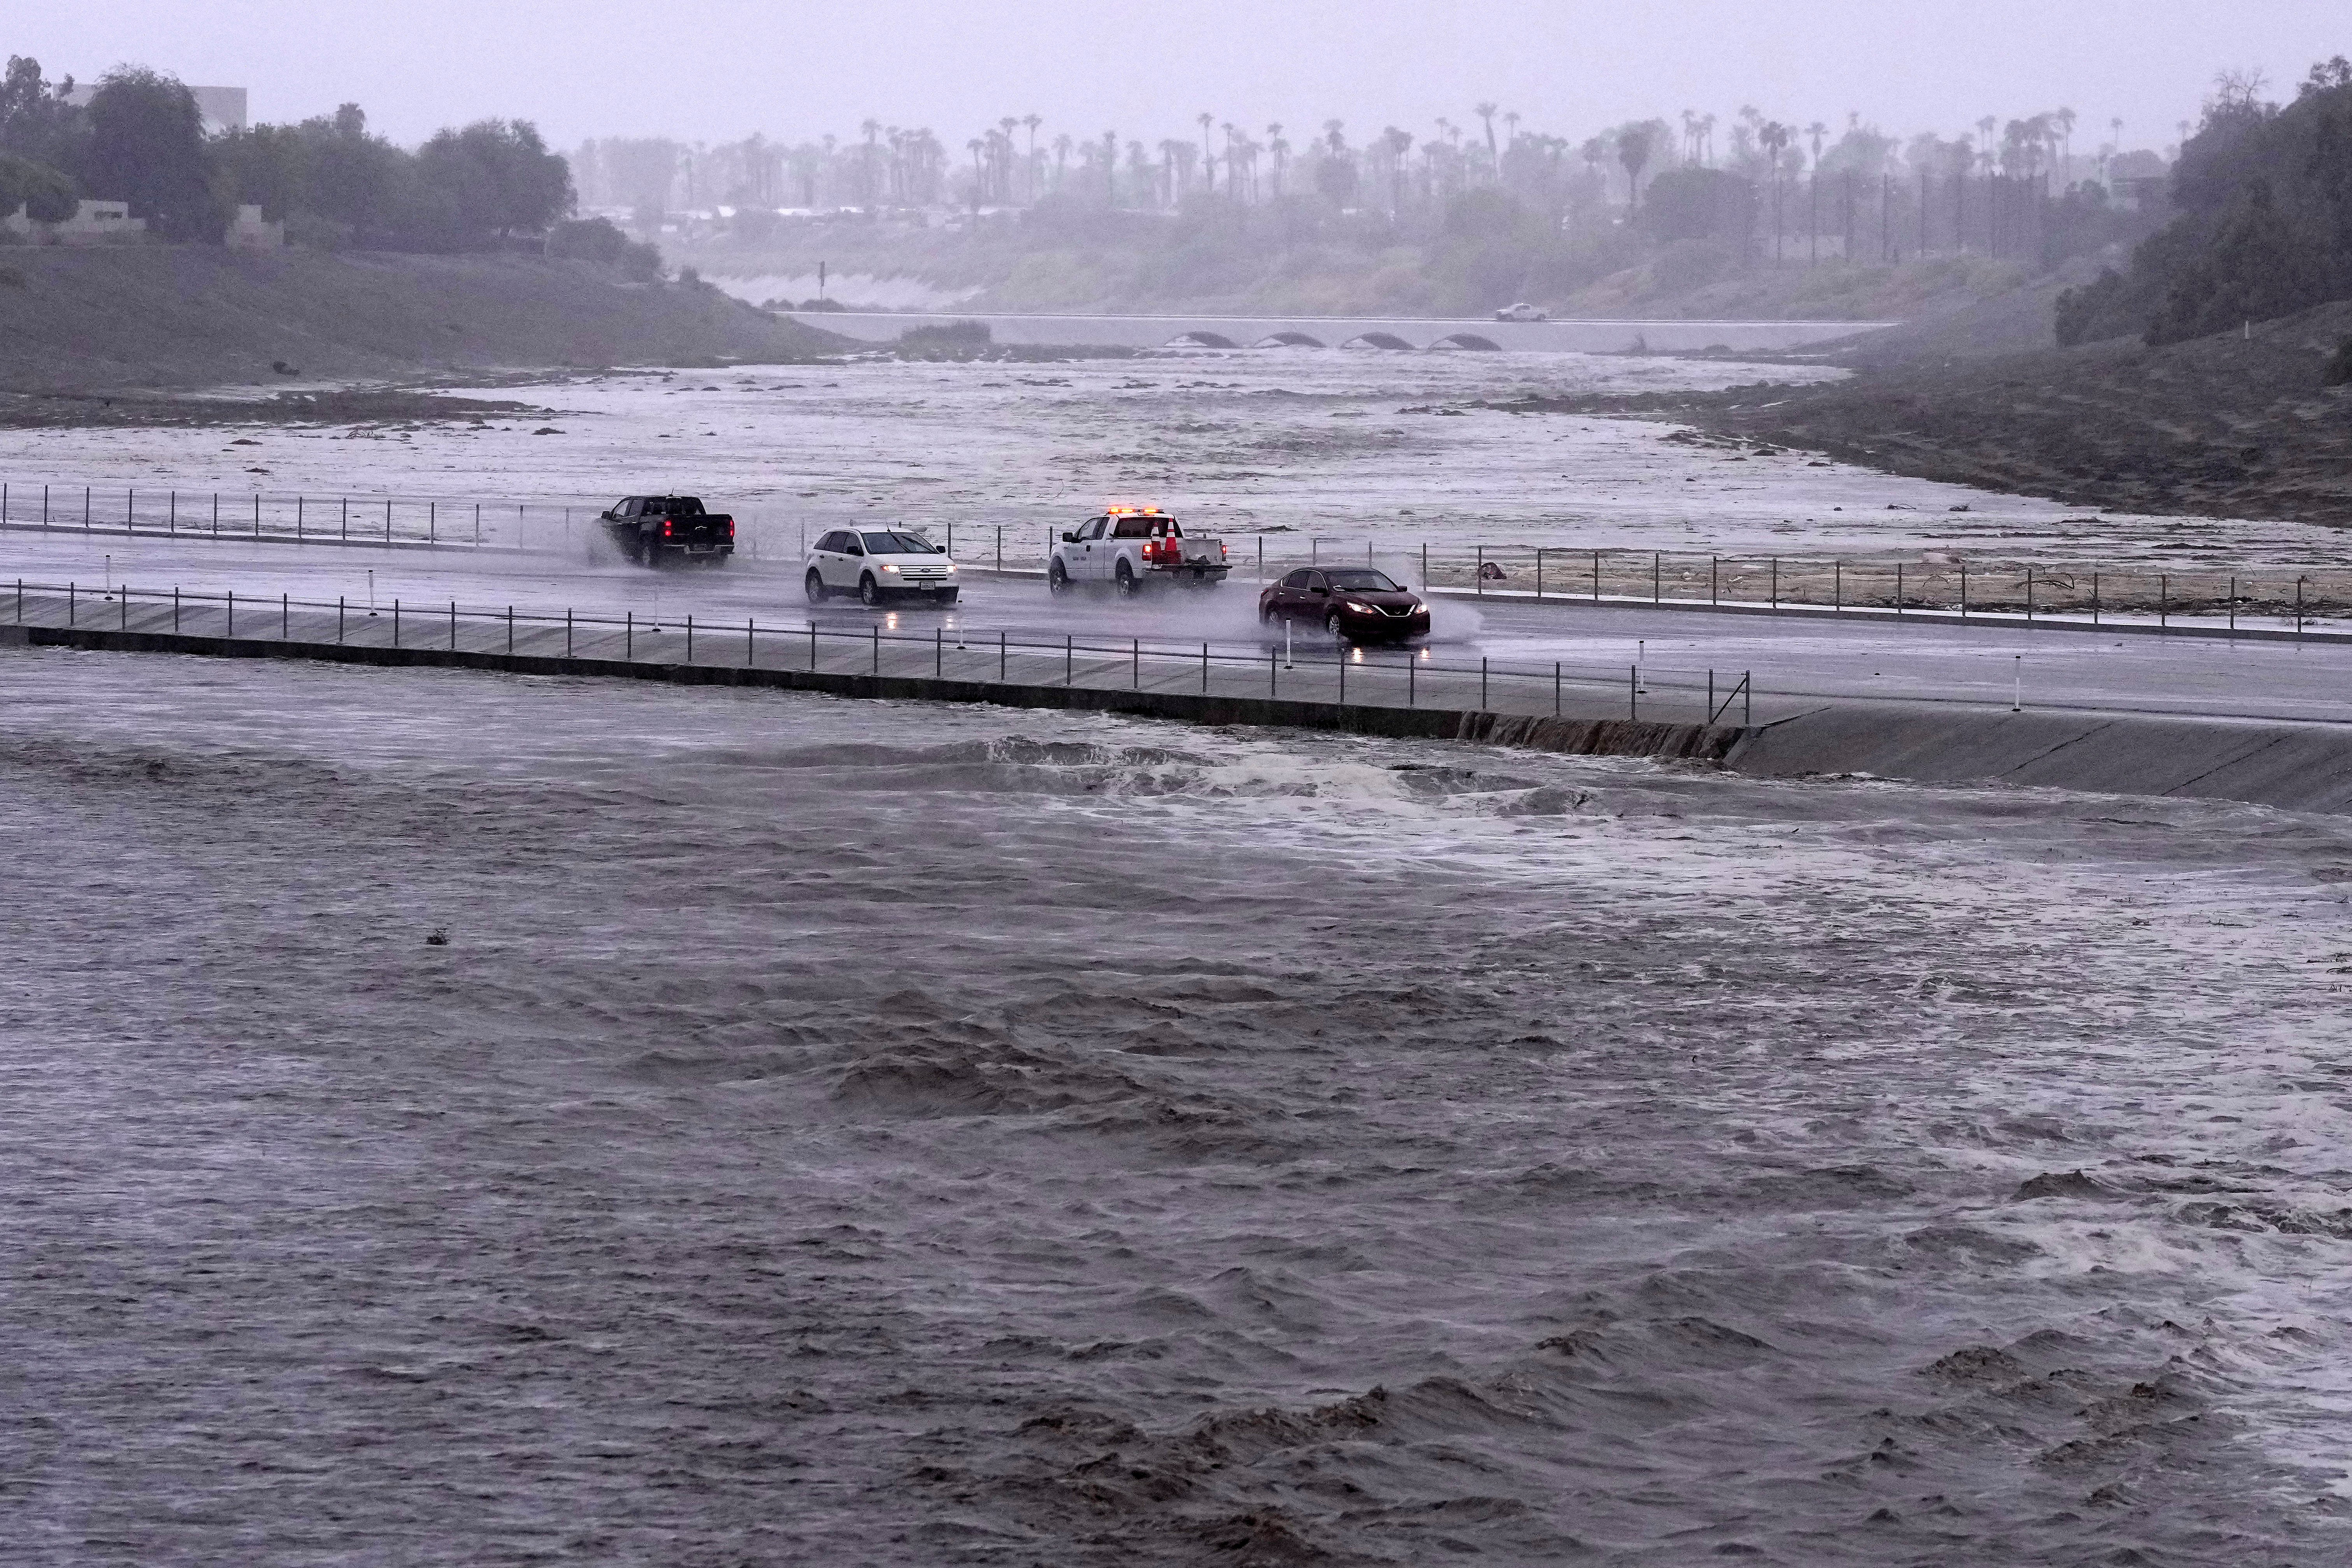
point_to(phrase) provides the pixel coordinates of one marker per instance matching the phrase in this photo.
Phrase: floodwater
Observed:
(842, 1132)
(1278, 446)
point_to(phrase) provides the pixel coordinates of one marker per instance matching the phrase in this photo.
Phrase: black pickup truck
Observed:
(650, 530)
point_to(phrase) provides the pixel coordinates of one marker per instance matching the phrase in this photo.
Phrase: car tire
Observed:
(869, 592)
(1057, 577)
(1266, 615)
(1126, 579)
(814, 587)
(1335, 626)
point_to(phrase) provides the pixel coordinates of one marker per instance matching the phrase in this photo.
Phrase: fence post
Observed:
(2095, 598)
(1555, 691)
(1481, 578)
(689, 637)
(878, 648)
(2164, 601)
(750, 650)
(1837, 587)
(85, 508)
(232, 610)
(1424, 560)
(1633, 691)
(2298, 607)
(395, 623)
(1776, 582)
(175, 607)
(387, 519)
(1067, 658)
(452, 626)
(1899, 590)
(628, 633)
(297, 519)
(1654, 558)
(1710, 695)
(1596, 576)
(70, 612)
(1205, 670)
(1411, 673)
(478, 521)
(1135, 681)
(1343, 677)
(938, 652)
(285, 615)
(1272, 674)
(2028, 593)
(1964, 592)
(2233, 604)
(567, 631)
(509, 630)
(1482, 683)
(339, 616)
(1714, 589)
(256, 514)
(347, 518)
(1000, 657)
(1539, 571)
(432, 521)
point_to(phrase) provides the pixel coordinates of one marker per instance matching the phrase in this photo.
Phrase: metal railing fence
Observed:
(1348, 676)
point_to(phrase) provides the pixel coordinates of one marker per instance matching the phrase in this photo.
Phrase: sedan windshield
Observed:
(886, 543)
(1362, 580)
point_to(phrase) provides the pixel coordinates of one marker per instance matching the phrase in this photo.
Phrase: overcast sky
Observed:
(718, 70)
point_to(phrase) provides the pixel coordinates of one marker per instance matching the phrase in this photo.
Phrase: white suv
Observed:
(879, 563)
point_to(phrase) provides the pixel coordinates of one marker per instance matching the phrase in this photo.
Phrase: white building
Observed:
(93, 223)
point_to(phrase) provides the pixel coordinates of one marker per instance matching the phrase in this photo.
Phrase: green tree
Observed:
(493, 180)
(37, 118)
(147, 147)
(47, 194)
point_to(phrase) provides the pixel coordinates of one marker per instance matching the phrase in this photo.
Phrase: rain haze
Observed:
(930, 784)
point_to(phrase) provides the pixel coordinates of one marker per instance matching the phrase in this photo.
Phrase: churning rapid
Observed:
(855, 1132)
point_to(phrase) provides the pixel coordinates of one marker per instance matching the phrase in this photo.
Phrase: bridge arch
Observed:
(1288, 341)
(1467, 341)
(1376, 340)
(1201, 340)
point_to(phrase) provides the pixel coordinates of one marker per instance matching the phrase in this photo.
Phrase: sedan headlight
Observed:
(1358, 609)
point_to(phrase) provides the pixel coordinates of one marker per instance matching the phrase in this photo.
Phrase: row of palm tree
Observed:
(1012, 165)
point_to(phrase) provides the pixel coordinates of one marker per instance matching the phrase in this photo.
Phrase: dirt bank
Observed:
(176, 316)
(2237, 425)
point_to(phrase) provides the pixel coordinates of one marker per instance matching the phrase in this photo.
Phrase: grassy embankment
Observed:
(167, 317)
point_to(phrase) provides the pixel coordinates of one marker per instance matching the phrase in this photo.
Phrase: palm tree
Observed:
(1281, 151)
(1399, 143)
(1633, 151)
(1817, 131)
(1772, 136)
(1208, 170)
(1486, 111)
(872, 128)
(1032, 121)
(2065, 121)
(1062, 145)
(977, 176)
(1110, 168)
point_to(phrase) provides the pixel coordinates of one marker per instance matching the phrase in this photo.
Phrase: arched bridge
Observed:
(1395, 334)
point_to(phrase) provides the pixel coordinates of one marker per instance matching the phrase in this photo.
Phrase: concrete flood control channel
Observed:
(1586, 711)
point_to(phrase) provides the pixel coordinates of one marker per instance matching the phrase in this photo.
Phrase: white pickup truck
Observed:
(1131, 547)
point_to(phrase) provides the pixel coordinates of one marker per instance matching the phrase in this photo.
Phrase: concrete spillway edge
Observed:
(2295, 767)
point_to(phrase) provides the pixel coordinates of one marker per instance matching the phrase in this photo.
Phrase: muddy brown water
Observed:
(867, 1132)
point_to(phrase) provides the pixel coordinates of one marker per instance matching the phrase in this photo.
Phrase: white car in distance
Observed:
(878, 566)
(1523, 312)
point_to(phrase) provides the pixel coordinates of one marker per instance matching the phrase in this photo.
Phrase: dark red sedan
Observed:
(1353, 603)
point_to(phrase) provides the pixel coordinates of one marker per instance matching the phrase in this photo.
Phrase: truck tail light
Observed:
(731, 528)
(664, 527)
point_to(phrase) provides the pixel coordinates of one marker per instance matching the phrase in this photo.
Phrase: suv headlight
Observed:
(890, 566)
(951, 566)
